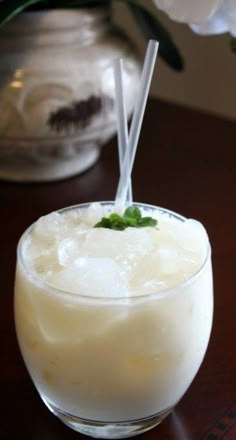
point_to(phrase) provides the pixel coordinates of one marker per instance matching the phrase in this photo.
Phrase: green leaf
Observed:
(118, 226)
(147, 221)
(117, 222)
(133, 213)
(9, 9)
(132, 218)
(154, 29)
(114, 217)
(104, 223)
(233, 44)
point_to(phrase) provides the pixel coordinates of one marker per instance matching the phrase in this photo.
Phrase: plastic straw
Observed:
(137, 120)
(121, 114)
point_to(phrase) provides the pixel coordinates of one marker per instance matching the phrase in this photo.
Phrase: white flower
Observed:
(203, 16)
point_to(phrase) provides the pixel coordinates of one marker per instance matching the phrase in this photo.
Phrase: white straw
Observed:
(121, 114)
(137, 120)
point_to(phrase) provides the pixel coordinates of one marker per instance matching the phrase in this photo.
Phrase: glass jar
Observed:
(57, 91)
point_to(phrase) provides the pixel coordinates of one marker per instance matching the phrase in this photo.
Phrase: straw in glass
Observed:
(137, 120)
(121, 115)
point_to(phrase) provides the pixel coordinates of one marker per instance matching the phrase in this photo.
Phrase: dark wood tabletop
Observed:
(186, 162)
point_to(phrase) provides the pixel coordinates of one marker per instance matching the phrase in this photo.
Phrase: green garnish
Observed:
(132, 218)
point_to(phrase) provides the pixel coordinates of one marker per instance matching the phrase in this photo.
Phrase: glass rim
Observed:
(114, 299)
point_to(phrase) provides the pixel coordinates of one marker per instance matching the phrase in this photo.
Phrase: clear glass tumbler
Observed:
(112, 367)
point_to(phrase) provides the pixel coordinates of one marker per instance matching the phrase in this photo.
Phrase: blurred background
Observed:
(208, 81)
(55, 117)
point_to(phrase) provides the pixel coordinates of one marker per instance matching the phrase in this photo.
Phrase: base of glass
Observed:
(109, 430)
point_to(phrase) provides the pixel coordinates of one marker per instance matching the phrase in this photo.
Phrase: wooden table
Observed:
(186, 162)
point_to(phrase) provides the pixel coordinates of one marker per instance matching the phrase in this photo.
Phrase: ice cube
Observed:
(46, 262)
(91, 277)
(31, 250)
(119, 245)
(94, 213)
(101, 242)
(74, 219)
(192, 236)
(68, 251)
(164, 235)
(146, 276)
(168, 260)
(48, 227)
(138, 241)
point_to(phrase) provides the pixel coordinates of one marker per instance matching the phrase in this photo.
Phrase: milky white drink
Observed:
(113, 325)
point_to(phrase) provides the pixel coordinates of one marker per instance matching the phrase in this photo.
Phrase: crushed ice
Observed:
(104, 262)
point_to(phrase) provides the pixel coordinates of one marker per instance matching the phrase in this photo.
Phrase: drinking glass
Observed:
(112, 367)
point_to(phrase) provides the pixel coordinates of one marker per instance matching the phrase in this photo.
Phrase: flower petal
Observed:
(230, 8)
(217, 24)
(224, 20)
(189, 10)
